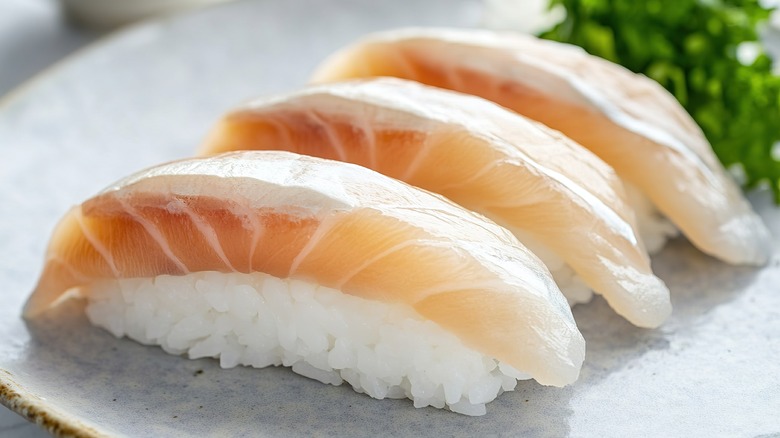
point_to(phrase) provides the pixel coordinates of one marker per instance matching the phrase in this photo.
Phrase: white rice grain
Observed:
(383, 350)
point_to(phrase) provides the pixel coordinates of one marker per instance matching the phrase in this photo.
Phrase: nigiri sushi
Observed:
(628, 120)
(560, 200)
(343, 274)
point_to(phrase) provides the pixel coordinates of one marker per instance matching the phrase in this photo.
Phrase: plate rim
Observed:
(13, 395)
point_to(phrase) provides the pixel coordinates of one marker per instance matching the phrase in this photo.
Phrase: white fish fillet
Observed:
(334, 224)
(552, 192)
(627, 119)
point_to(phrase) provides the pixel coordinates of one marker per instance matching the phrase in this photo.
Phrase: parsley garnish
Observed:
(690, 47)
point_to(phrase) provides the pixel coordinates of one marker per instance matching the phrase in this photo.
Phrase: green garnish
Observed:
(690, 47)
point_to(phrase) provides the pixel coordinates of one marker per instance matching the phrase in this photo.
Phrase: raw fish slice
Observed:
(554, 194)
(627, 119)
(334, 224)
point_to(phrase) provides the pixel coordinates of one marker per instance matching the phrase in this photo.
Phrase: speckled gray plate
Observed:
(150, 93)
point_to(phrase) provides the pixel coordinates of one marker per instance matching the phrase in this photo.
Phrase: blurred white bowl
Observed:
(107, 14)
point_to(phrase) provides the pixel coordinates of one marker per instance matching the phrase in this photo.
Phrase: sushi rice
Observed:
(380, 349)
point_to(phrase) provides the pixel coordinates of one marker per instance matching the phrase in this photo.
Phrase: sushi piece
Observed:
(560, 200)
(343, 274)
(628, 120)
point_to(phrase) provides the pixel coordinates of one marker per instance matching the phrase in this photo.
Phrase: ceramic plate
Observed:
(150, 93)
